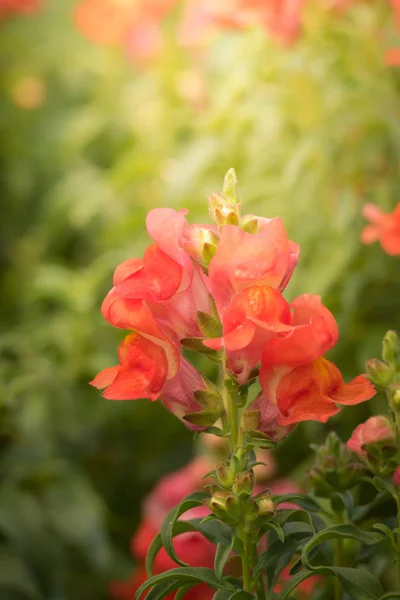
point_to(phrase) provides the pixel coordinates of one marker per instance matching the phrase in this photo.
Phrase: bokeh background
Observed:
(104, 117)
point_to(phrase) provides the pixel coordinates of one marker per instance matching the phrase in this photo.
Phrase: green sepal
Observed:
(203, 418)
(209, 400)
(210, 327)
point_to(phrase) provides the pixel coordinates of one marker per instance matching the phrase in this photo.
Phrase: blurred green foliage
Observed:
(313, 132)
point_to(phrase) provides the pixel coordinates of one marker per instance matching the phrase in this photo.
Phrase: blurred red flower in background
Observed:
(8, 7)
(385, 228)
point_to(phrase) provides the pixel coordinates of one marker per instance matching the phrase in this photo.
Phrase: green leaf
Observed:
(294, 582)
(221, 557)
(185, 576)
(222, 595)
(161, 591)
(303, 500)
(215, 531)
(181, 592)
(275, 527)
(344, 530)
(156, 544)
(15, 576)
(167, 528)
(241, 595)
(360, 512)
(390, 596)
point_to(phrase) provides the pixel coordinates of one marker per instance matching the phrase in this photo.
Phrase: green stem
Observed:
(246, 564)
(337, 563)
(259, 584)
(233, 420)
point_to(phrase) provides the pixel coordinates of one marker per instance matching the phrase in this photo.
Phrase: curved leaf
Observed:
(344, 530)
(303, 500)
(191, 501)
(156, 544)
(221, 557)
(185, 576)
(294, 582)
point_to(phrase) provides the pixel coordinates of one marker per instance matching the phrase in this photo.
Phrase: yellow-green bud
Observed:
(379, 373)
(391, 349)
(226, 475)
(265, 505)
(244, 483)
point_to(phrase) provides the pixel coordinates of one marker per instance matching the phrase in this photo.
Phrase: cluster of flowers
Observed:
(217, 289)
(193, 547)
(135, 24)
(384, 227)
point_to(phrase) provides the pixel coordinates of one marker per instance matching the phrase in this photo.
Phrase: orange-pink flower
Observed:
(375, 429)
(311, 392)
(312, 332)
(143, 368)
(385, 228)
(245, 259)
(131, 23)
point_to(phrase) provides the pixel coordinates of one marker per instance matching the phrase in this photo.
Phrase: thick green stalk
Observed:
(337, 563)
(246, 564)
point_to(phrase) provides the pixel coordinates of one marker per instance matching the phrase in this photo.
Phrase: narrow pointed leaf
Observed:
(183, 577)
(169, 523)
(221, 557)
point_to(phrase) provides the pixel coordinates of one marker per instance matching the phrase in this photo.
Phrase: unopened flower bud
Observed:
(222, 211)
(244, 483)
(334, 469)
(217, 503)
(396, 398)
(391, 349)
(379, 373)
(233, 509)
(230, 186)
(249, 223)
(226, 474)
(374, 441)
(265, 505)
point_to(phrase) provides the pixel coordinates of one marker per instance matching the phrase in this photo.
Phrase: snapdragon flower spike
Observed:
(312, 391)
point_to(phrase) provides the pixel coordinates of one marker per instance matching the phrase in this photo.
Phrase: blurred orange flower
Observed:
(385, 228)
